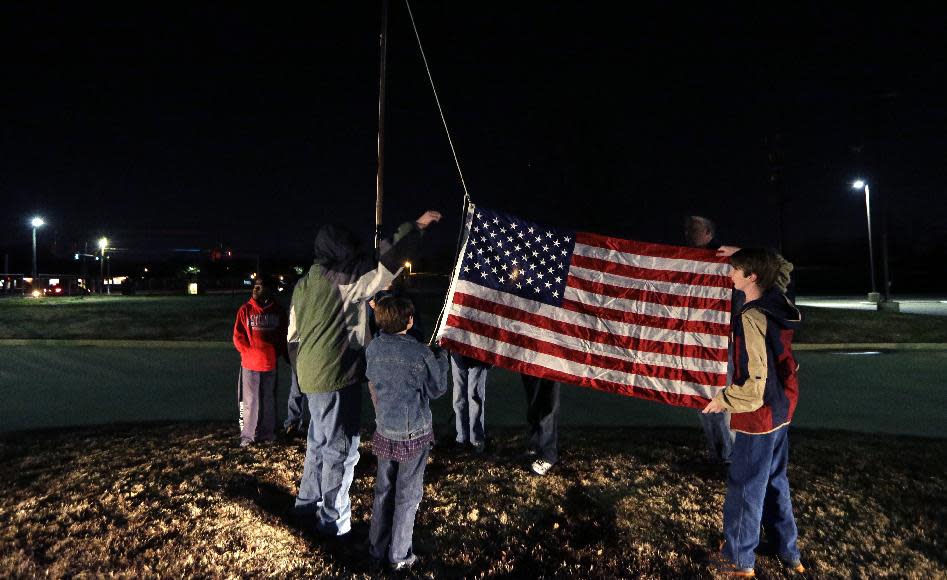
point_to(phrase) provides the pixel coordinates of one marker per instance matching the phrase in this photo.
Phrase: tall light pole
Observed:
(36, 222)
(103, 243)
(871, 252)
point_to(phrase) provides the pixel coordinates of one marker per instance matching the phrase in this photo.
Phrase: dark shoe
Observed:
(375, 565)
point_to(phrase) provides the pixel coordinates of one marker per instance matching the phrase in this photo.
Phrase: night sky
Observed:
(205, 123)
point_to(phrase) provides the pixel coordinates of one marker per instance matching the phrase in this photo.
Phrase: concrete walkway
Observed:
(926, 305)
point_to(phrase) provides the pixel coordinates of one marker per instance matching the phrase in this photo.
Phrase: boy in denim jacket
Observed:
(404, 375)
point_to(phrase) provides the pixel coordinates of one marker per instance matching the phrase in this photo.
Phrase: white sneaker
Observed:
(541, 467)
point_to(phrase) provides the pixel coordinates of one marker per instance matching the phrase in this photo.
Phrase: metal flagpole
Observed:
(380, 175)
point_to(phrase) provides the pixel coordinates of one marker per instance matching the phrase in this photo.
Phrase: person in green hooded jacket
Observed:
(327, 335)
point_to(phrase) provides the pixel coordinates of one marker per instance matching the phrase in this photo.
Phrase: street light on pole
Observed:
(36, 222)
(103, 243)
(860, 184)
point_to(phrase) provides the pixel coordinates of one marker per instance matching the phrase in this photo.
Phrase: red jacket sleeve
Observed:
(241, 332)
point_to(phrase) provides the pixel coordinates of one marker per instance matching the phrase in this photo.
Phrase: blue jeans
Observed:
(331, 455)
(399, 487)
(542, 414)
(758, 493)
(297, 410)
(470, 396)
(717, 434)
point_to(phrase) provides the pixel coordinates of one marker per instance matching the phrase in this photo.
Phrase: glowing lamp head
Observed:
(37, 222)
(103, 243)
(858, 184)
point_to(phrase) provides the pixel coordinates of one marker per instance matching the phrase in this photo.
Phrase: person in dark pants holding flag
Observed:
(761, 399)
(259, 334)
(542, 414)
(700, 232)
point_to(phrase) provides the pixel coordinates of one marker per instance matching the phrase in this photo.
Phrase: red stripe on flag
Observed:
(516, 365)
(629, 271)
(648, 249)
(587, 358)
(662, 298)
(585, 333)
(646, 320)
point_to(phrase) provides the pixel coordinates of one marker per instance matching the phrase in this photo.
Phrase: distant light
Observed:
(858, 184)
(37, 222)
(75, 256)
(146, 269)
(103, 243)
(36, 294)
(192, 288)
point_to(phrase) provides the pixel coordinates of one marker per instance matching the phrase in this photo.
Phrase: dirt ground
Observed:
(182, 500)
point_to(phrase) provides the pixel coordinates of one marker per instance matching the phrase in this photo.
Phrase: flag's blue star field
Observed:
(516, 256)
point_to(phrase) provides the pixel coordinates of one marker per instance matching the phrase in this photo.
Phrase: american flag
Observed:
(639, 319)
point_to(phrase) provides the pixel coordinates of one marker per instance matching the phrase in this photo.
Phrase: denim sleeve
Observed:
(438, 374)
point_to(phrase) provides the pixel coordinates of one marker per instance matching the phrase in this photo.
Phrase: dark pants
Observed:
(297, 409)
(399, 486)
(257, 391)
(758, 493)
(542, 414)
(331, 455)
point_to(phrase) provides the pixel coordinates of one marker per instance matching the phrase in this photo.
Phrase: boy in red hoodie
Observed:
(260, 336)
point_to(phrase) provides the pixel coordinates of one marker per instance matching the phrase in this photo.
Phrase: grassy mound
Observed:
(180, 500)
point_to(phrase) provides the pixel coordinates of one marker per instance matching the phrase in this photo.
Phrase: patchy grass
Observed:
(180, 500)
(833, 325)
(121, 317)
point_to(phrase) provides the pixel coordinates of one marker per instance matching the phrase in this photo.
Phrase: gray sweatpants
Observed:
(257, 395)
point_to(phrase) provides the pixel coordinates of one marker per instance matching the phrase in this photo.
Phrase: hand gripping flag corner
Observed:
(638, 319)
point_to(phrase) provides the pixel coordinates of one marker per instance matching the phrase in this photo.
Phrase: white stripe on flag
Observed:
(582, 345)
(652, 262)
(692, 290)
(647, 308)
(589, 321)
(581, 370)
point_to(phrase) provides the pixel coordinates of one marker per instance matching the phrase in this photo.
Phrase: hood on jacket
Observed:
(335, 245)
(778, 307)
